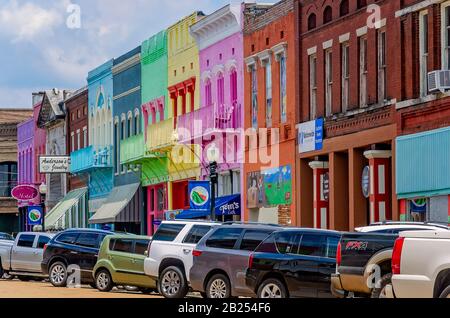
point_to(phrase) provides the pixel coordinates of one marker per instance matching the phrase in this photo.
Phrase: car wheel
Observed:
(204, 295)
(380, 288)
(218, 287)
(445, 293)
(272, 288)
(172, 283)
(58, 274)
(103, 281)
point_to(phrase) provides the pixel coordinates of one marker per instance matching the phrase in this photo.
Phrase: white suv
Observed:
(170, 258)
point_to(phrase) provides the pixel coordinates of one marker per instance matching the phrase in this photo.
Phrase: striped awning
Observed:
(72, 198)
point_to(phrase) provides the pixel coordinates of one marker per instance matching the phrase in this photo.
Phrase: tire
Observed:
(2, 272)
(172, 283)
(272, 288)
(103, 281)
(218, 287)
(379, 292)
(445, 293)
(58, 274)
(204, 295)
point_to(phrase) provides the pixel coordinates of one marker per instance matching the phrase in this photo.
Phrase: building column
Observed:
(380, 184)
(358, 209)
(321, 205)
(304, 194)
(339, 193)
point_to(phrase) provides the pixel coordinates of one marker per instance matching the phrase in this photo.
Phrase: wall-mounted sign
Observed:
(310, 135)
(228, 205)
(326, 187)
(200, 195)
(24, 193)
(54, 164)
(365, 182)
(35, 215)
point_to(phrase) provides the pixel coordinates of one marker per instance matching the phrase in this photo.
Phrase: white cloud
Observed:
(25, 21)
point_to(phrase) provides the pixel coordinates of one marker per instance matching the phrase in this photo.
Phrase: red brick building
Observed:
(349, 76)
(77, 128)
(270, 106)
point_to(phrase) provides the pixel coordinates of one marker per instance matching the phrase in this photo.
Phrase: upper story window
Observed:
(345, 69)
(381, 41)
(312, 21)
(8, 178)
(254, 97)
(327, 15)
(362, 54)
(283, 87)
(445, 18)
(328, 82)
(220, 89)
(208, 93)
(423, 47)
(268, 69)
(361, 4)
(312, 86)
(233, 86)
(343, 8)
(136, 124)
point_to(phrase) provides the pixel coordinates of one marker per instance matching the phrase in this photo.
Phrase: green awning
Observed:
(59, 211)
(116, 202)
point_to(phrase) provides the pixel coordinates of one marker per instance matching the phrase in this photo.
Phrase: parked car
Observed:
(364, 258)
(170, 257)
(22, 257)
(76, 247)
(421, 265)
(6, 237)
(221, 259)
(121, 262)
(293, 263)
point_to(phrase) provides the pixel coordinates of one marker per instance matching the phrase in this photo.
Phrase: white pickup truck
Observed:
(421, 265)
(23, 256)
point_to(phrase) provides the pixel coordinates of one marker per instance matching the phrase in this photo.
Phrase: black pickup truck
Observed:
(364, 258)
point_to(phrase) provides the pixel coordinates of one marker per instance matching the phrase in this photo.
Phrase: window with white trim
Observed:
(362, 54)
(85, 137)
(312, 86)
(254, 97)
(381, 43)
(72, 141)
(345, 64)
(283, 88)
(268, 69)
(423, 51)
(445, 23)
(328, 82)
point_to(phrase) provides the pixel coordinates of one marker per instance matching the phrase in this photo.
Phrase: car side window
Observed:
(87, 240)
(196, 234)
(141, 246)
(224, 238)
(26, 240)
(312, 245)
(42, 240)
(252, 238)
(268, 245)
(68, 238)
(168, 232)
(287, 243)
(123, 245)
(332, 243)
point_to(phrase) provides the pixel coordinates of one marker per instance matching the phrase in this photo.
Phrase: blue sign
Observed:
(310, 135)
(199, 195)
(229, 205)
(35, 215)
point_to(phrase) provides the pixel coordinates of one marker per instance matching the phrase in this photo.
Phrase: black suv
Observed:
(294, 263)
(69, 251)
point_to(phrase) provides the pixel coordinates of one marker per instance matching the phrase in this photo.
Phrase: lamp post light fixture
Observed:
(43, 193)
(213, 156)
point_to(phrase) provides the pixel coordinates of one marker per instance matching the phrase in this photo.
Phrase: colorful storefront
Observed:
(219, 38)
(423, 176)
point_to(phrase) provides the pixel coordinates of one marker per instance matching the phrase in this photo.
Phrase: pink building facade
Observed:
(40, 139)
(220, 40)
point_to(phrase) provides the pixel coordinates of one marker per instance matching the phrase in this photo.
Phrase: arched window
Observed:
(344, 8)
(220, 89)
(312, 21)
(208, 93)
(327, 15)
(233, 86)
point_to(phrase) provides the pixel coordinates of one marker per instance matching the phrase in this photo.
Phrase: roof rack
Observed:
(250, 223)
(437, 224)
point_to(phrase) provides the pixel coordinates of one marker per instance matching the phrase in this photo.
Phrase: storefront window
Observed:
(8, 178)
(417, 210)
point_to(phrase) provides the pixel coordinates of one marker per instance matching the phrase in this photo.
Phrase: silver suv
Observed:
(221, 259)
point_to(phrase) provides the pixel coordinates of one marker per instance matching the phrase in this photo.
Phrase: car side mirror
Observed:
(146, 253)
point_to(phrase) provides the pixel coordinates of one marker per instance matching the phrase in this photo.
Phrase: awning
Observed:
(116, 202)
(95, 204)
(59, 211)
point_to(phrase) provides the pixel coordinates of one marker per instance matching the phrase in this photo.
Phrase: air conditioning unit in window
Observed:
(439, 81)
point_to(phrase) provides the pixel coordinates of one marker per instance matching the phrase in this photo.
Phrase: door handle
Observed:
(73, 253)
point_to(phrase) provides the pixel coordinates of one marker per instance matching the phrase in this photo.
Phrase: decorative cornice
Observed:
(129, 63)
(265, 57)
(279, 50)
(131, 91)
(251, 61)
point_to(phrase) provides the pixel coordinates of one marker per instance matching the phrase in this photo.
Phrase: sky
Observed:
(46, 43)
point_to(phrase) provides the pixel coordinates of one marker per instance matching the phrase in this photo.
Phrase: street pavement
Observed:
(32, 289)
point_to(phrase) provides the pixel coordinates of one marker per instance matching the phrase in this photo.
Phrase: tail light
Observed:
(397, 255)
(339, 254)
(45, 247)
(196, 253)
(250, 261)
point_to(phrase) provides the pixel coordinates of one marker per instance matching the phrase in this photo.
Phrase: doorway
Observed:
(156, 205)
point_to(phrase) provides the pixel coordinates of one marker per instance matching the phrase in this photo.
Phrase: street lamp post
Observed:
(213, 157)
(43, 192)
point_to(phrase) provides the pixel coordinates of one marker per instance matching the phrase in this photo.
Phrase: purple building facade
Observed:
(219, 37)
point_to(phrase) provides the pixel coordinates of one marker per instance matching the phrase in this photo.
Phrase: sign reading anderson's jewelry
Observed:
(54, 164)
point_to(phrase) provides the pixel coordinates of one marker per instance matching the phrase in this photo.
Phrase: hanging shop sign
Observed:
(54, 164)
(365, 182)
(310, 135)
(35, 215)
(199, 195)
(25, 193)
(326, 187)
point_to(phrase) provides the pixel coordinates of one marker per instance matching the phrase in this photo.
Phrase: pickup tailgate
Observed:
(358, 248)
